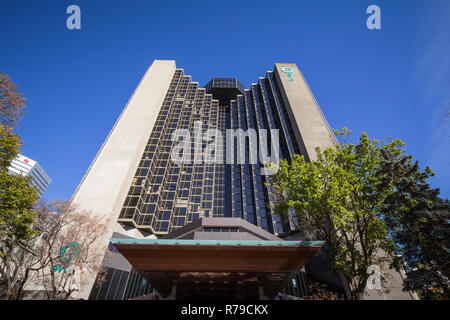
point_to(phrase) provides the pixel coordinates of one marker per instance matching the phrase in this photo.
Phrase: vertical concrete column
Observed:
(309, 124)
(105, 185)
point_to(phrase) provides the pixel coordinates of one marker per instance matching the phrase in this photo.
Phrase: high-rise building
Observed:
(164, 196)
(149, 187)
(22, 165)
(134, 182)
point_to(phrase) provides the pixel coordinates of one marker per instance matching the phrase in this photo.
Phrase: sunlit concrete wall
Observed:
(309, 124)
(105, 185)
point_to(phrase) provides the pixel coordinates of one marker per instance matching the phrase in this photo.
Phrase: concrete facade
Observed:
(391, 287)
(105, 185)
(247, 230)
(310, 127)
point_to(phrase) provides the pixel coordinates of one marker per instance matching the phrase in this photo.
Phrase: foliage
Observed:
(418, 220)
(336, 197)
(40, 261)
(9, 146)
(12, 103)
(319, 291)
(17, 197)
(32, 235)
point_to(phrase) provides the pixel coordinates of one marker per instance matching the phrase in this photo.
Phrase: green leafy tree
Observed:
(418, 220)
(319, 291)
(9, 146)
(31, 234)
(17, 197)
(336, 198)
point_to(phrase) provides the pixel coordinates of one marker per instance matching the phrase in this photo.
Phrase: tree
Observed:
(65, 228)
(336, 198)
(64, 249)
(319, 291)
(12, 103)
(9, 146)
(418, 220)
(33, 236)
(17, 197)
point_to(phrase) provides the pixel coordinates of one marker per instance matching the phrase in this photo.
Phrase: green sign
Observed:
(288, 71)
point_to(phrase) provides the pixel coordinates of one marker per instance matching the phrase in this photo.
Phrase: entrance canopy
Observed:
(231, 268)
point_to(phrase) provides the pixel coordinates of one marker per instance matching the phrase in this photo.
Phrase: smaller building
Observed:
(28, 167)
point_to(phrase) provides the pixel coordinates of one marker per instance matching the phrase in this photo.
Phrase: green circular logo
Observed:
(287, 69)
(69, 251)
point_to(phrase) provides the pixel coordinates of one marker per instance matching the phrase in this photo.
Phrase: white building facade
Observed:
(25, 166)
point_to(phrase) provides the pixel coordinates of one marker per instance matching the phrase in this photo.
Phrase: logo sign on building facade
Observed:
(288, 71)
(67, 254)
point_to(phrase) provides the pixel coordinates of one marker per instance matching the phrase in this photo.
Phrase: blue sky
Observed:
(392, 82)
